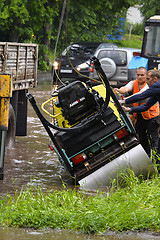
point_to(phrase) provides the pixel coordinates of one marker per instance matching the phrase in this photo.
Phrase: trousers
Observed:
(148, 133)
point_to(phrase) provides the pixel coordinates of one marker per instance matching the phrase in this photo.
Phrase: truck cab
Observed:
(151, 42)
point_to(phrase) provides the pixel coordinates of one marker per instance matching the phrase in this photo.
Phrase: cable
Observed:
(78, 71)
(59, 29)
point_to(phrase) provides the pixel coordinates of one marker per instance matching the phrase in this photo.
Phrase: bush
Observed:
(138, 29)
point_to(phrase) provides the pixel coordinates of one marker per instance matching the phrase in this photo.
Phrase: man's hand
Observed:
(116, 89)
(121, 101)
(122, 90)
(126, 109)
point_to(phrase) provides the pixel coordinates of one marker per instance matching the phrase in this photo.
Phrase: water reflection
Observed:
(31, 162)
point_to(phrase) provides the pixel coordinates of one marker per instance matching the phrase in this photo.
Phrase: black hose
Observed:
(106, 82)
(86, 122)
(44, 121)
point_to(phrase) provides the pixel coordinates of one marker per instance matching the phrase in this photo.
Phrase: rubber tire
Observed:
(10, 139)
(108, 66)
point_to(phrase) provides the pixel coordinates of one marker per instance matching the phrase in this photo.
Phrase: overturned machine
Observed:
(92, 136)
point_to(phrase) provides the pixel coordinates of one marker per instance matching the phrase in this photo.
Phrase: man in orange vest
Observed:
(146, 123)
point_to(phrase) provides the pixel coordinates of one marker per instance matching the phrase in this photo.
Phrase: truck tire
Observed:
(11, 128)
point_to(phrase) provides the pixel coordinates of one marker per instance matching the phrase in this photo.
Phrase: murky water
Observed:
(30, 161)
(29, 234)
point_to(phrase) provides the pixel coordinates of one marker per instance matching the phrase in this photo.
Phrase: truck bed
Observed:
(20, 60)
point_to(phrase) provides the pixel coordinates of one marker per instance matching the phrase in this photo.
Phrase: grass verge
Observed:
(133, 208)
(134, 41)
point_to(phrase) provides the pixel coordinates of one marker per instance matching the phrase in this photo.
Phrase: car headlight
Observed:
(55, 65)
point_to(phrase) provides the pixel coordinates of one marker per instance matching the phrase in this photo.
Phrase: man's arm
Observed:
(122, 90)
(137, 97)
(126, 89)
(142, 108)
(153, 90)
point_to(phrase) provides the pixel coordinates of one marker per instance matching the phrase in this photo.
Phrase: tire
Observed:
(108, 66)
(10, 139)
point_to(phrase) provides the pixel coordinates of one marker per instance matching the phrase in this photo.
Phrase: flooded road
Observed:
(30, 162)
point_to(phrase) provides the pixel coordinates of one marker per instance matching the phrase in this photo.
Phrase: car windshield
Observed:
(79, 50)
(118, 56)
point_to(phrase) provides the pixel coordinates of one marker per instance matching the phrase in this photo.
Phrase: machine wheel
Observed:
(11, 128)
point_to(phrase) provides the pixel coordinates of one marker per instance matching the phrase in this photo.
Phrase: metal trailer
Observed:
(18, 69)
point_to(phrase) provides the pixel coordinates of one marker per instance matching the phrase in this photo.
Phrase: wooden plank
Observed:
(20, 60)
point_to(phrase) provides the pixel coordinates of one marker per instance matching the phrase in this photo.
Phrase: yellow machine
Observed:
(62, 122)
(93, 137)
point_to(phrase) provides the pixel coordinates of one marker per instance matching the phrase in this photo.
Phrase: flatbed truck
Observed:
(18, 73)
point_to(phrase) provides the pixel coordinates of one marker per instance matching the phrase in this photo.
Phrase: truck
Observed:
(18, 73)
(151, 42)
(150, 51)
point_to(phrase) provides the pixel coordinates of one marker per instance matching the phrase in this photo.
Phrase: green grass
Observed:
(135, 207)
(135, 41)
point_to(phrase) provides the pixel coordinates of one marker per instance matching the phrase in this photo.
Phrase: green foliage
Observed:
(149, 8)
(14, 16)
(135, 41)
(20, 20)
(126, 178)
(138, 29)
(135, 208)
(42, 61)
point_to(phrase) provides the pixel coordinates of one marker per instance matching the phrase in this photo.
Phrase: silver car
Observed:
(115, 62)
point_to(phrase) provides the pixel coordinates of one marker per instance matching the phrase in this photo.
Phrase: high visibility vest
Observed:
(151, 112)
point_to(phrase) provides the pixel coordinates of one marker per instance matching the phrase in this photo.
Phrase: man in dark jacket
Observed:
(153, 93)
(145, 123)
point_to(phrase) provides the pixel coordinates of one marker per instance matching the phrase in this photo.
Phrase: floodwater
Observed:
(30, 162)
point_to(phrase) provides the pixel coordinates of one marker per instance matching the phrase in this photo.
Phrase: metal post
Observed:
(5, 94)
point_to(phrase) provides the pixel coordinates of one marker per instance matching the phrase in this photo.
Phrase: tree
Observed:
(92, 21)
(149, 8)
(13, 17)
(38, 20)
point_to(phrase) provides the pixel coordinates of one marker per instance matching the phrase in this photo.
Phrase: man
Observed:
(153, 92)
(141, 78)
(147, 122)
(135, 86)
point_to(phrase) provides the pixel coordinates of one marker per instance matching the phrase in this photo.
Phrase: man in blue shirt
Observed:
(153, 93)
